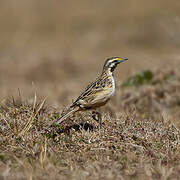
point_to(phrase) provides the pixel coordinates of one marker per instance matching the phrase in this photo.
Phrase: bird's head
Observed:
(111, 63)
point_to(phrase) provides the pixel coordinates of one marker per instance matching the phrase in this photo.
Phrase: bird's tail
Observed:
(67, 114)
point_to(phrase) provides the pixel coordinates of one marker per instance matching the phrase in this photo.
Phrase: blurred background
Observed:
(57, 47)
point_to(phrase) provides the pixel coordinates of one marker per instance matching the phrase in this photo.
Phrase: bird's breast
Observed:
(111, 86)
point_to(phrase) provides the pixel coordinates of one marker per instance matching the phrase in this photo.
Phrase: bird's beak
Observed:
(120, 60)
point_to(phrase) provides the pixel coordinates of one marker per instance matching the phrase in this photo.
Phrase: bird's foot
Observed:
(97, 117)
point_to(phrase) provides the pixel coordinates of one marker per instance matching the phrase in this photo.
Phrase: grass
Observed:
(139, 138)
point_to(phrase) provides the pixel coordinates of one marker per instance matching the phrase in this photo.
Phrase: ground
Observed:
(50, 51)
(139, 137)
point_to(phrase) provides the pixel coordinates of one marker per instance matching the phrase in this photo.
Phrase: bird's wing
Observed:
(94, 92)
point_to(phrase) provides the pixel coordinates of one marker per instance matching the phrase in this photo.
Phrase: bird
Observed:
(97, 93)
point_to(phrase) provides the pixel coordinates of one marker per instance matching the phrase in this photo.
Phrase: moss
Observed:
(138, 79)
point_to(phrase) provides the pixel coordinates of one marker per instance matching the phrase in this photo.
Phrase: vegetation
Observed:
(60, 46)
(139, 138)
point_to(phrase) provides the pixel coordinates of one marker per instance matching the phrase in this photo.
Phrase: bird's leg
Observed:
(97, 117)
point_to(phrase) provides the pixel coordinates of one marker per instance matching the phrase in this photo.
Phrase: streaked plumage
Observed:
(98, 92)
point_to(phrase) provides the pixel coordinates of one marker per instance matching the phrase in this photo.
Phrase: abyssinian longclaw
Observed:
(98, 92)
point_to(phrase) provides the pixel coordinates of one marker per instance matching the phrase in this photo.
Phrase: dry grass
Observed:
(60, 46)
(139, 139)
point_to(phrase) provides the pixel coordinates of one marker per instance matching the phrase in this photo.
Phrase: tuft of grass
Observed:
(148, 77)
(33, 116)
